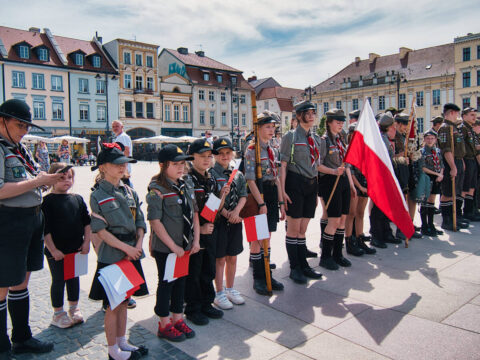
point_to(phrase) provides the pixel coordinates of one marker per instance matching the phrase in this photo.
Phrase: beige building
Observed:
(176, 102)
(467, 69)
(393, 81)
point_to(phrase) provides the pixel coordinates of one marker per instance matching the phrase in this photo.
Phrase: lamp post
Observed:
(310, 91)
(231, 87)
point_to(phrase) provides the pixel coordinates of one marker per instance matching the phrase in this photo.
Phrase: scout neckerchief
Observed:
(127, 192)
(204, 182)
(24, 156)
(233, 195)
(341, 149)
(436, 162)
(186, 210)
(314, 154)
(271, 159)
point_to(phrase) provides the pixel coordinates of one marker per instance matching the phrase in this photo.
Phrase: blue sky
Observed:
(298, 43)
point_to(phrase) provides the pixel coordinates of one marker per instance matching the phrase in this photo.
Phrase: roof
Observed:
(193, 59)
(280, 92)
(417, 64)
(258, 82)
(10, 37)
(195, 74)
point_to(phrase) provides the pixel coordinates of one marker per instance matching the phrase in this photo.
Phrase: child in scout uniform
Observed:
(199, 290)
(299, 158)
(272, 200)
(119, 223)
(332, 153)
(67, 231)
(454, 165)
(434, 169)
(21, 227)
(173, 216)
(228, 228)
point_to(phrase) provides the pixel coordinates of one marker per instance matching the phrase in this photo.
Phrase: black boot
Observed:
(460, 218)
(276, 285)
(366, 249)
(430, 214)
(302, 259)
(399, 237)
(352, 247)
(469, 212)
(377, 229)
(326, 259)
(259, 283)
(423, 215)
(447, 215)
(296, 273)
(337, 249)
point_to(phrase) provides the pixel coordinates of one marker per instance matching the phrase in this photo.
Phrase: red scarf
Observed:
(314, 154)
(271, 159)
(436, 162)
(341, 149)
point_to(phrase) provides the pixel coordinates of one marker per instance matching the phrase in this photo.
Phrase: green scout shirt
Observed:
(168, 209)
(427, 155)
(12, 170)
(117, 206)
(294, 150)
(330, 153)
(267, 171)
(445, 143)
(399, 144)
(222, 175)
(469, 140)
(388, 144)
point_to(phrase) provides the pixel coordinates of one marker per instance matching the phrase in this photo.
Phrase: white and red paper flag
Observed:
(210, 209)
(120, 281)
(368, 153)
(75, 265)
(176, 267)
(256, 227)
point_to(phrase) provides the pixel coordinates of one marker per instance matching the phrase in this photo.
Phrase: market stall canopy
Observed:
(35, 139)
(70, 139)
(185, 139)
(160, 139)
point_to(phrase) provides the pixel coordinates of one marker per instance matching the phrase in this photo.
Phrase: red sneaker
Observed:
(169, 332)
(181, 326)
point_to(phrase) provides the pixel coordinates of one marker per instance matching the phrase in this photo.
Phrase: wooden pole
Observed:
(454, 195)
(333, 190)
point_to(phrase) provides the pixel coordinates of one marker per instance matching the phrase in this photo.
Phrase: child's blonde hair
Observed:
(57, 166)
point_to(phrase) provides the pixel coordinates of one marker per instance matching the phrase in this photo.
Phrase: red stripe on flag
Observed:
(181, 265)
(130, 272)
(250, 229)
(69, 266)
(208, 214)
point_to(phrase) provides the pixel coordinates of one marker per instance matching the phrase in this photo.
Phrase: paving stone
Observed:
(467, 317)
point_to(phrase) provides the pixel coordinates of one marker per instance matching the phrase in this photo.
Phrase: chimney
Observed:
(403, 52)
(34, 29)
(252, 78)
(200, 53)
(99, 38)
(183, 50)
(372, 57)
(357, 59)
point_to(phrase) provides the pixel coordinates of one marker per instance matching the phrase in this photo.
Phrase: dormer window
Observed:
(234, 80)
(96, 61)
(206, 76)
(42, 54)
(24, 52)
(79, 59)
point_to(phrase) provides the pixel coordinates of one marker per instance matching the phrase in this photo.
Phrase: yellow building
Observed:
(393, 81)
(139, 96)
(467, 69)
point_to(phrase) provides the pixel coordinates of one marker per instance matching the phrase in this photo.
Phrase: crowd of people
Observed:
(298, 171)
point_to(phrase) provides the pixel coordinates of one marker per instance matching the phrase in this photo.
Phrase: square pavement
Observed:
(417, 303)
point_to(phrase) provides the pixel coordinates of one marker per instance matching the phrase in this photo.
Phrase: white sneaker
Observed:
(234, 296)
(62, 320)
(76, 316)
(222, 301)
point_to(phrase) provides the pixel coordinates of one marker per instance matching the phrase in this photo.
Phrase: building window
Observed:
(244, 120)
(18, 79)
(127, 81)
(128, 109)
(211, 96)
(419, 98)
(167, 112)
(24, 52)
(235, 119)
(150, 114)
(139, 109)
(224, 119)
(83, 86)
(201, 94)
(57, 83)
(478, 51)
(219, 78)
(185, 113)
(402, 101)
(235, 98)
(138, 59)
(233, 79)
(266, 105)
(242, 99)
(369, 100)
(79, 59)
(420, 125)
(38, 81)
(127, 58)
(101, 112)
(436, 97)
(465, 103)
(84, 109)
(381, 102)
(478, 103)
(39, 109)
(466, 54)
(97, 62)
(150, 83)
(325, 107)
(466, 79)
(176, 112)
(57, 111)
(212, 118)
(202, 117)
(355, 104)
(42, 54)
(478, 77)
(223, 97)
(101, 86)
(138, 82)
(206, 76)
(338, 104)
(149, 61)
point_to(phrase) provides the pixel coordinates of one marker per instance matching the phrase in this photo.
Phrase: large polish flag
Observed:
(368, 153)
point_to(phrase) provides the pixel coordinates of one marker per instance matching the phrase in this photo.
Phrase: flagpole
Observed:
(333, 190)
(454, 194)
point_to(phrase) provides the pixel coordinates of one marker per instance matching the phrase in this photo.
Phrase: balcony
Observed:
(143, 91)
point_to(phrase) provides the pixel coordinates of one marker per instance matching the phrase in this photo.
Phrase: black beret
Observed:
(354, 114)
(304, 106)
(437, 119)
(467, 110)
(450, 106)
(335, 114)
(402, 118)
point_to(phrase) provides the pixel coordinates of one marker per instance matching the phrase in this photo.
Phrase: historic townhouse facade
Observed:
(467, 69)
(221, 97)
(138, 95)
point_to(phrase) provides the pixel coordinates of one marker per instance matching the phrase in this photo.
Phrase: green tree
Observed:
(322, 127)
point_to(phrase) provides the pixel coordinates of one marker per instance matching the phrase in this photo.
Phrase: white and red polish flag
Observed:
(211, 207)
(74, 265)
(256, 227)
(176, 267)
(368, 153)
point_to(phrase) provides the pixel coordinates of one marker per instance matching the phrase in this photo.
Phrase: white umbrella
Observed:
(160, 139)
(185, 139)
(70, 139)
(34, 139)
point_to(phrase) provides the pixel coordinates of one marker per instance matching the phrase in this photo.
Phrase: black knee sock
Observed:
(459, 206)
(256, 259)
(424, 214)
(4, 341)
(327, 246)
(444, 208)
(468, 207)
(338, 243)
(19, 310)
(292, 251)
(302, 252)
(323, 225)
(430, 214)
